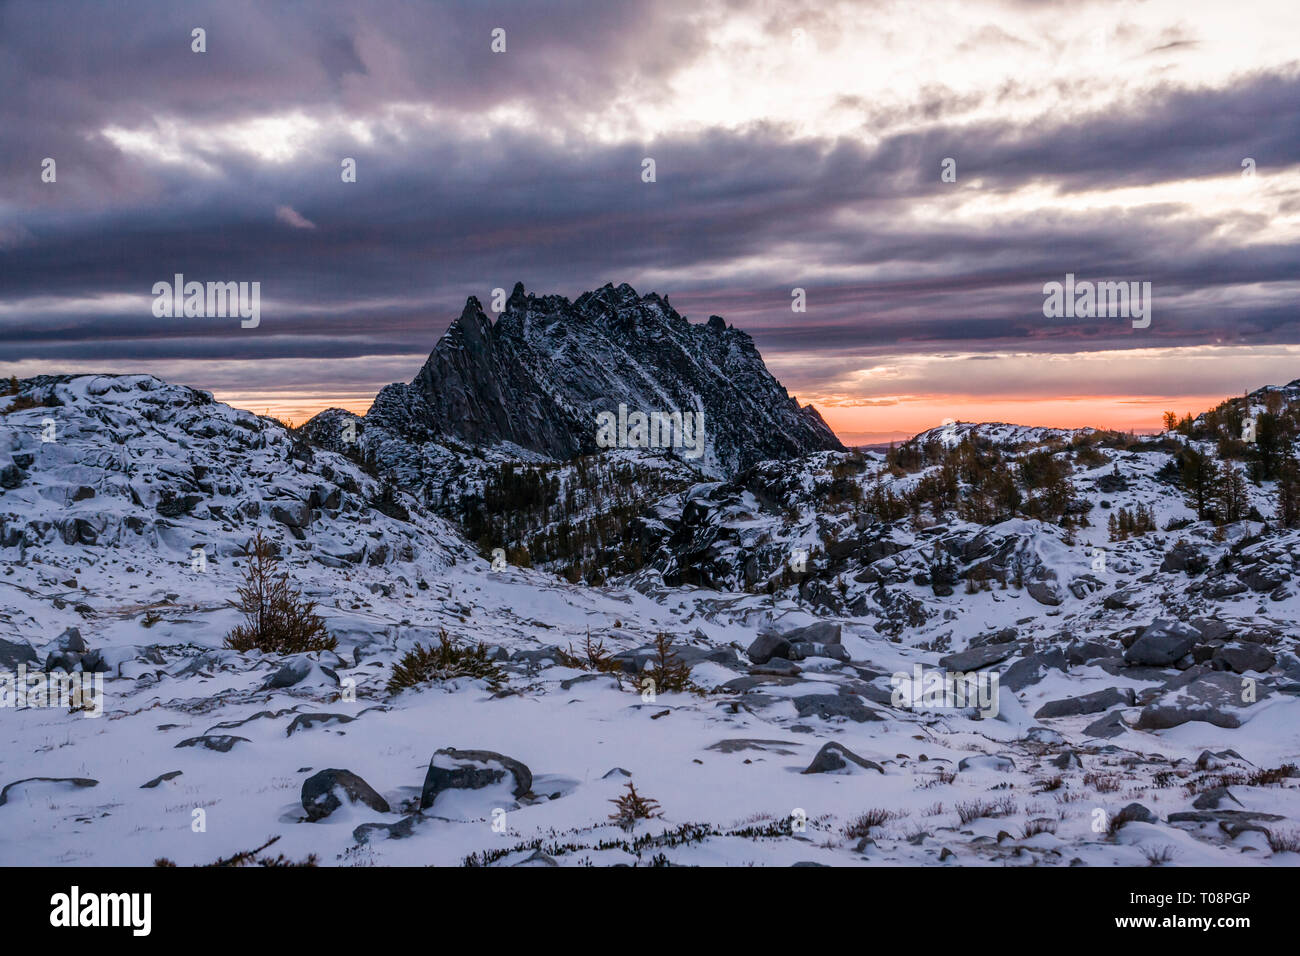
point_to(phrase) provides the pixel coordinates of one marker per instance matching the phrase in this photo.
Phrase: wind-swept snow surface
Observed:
(1142, 708)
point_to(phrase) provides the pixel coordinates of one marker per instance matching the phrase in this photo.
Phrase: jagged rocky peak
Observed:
(543, 373)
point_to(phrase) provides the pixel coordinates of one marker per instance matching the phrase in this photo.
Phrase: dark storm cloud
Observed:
(448, 209)
(70, 69)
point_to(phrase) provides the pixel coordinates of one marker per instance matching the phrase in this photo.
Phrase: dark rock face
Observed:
(1093, 703)
(71, 640)
(823, 632)
(827, 706)
(295, 514)
(1112, 725)
(174, 507)
(1030, 670)
(320, 793)
(1162, 643)
(1184, 557)
(452, 769)
(1223, 816)
(1044, 592)
(221, 743)
(1078, 653)
(308, 721)
(160, 779)
(835, 757)
(1245, 657)
(804, 649)
(56, 783)
(767, 646)
(1066, 760)
(1134, 813)
(976, 657)
(295, 671)
(1123, 599)
(1212, 798)
(637, 659)
(401, 830)
(13, 653)
(539, 376)
(1217, 698)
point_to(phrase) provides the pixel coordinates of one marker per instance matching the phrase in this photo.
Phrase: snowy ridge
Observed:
(130, 462)
(1167, 677)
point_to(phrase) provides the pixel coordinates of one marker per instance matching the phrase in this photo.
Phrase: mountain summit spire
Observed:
(541, 374)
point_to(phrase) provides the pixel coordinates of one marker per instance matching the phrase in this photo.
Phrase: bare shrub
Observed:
(1284, 841)
(1039, 825)
(862, 825)
(1104, 782)
(1158, 855)
(971, 810)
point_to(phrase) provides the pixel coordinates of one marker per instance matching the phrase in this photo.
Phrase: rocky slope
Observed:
(1146, 706)
(128, 464)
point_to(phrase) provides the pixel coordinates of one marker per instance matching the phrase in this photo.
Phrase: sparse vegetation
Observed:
(21, 403)
(1270, 777)
(1284, 841)
(632, 806)
(1158, 855)
(592, 657)
(862, 825)
(1104, 782)
(250, 858)
(1123, 524)
(666, 670)
(1118, 820)
(1039, 825)
(445, 661)
(277, 618)
(971, 810)
(578, 518)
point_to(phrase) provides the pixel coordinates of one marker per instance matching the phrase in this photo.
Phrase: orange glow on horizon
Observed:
(294, 408)
(862, 424)
(856, 424)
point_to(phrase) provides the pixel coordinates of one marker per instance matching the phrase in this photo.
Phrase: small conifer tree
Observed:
(277, 619)
(631, 807)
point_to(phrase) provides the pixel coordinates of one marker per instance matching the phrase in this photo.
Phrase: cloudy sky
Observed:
(796, 145)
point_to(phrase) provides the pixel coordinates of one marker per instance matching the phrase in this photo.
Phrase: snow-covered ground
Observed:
(726, 761)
